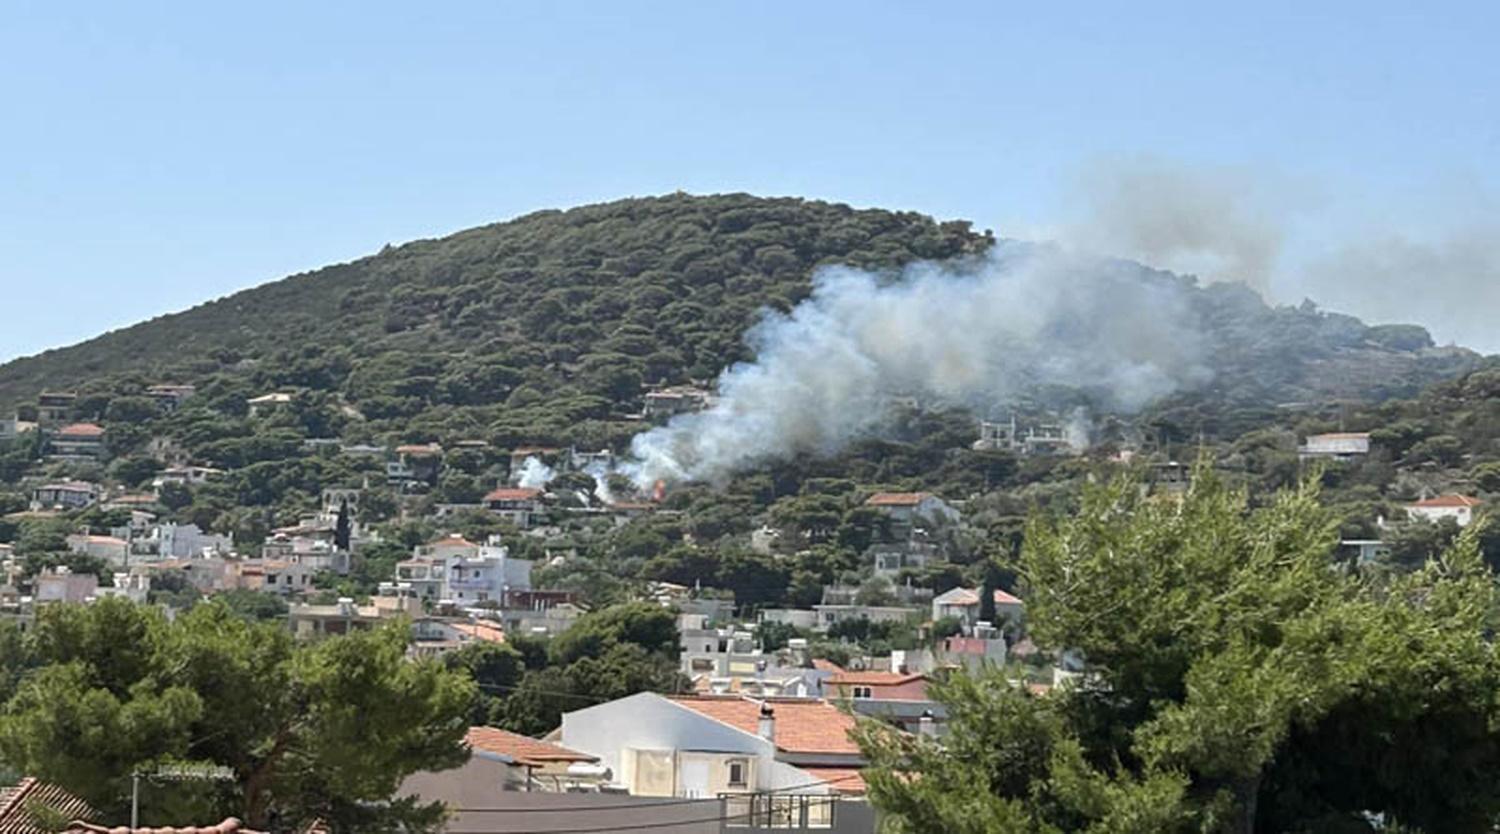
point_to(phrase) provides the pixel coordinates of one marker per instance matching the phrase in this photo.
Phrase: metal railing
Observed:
(779, 812)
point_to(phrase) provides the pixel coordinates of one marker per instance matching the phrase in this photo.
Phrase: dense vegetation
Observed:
(1237, 680)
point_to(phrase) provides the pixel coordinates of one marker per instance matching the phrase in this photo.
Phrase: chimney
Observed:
(767, 727)
(926, 727)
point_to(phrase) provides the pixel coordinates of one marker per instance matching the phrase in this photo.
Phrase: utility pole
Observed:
(135, 800)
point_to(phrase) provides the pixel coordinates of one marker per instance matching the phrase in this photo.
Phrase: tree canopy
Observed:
(1235, 678)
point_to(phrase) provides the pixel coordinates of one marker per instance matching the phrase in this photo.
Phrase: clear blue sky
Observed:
(155, 155)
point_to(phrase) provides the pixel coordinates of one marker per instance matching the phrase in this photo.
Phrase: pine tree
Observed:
(342, 530)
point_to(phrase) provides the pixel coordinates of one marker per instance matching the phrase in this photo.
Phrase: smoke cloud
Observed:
(535, 474)
(976, 334)
(1223, 224)
(1451, 284)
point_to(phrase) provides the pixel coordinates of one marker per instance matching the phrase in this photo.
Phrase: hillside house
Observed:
(55, 407)
(877, 686)
(268, 403)
(826, 615)
(1460, 508)
(114, 551)
(208, 575)
(65, 495)
(911, 508)
(706, 746)
(670, 402)
(1028, 440)
(316, 554)
(274, 576)
(186, 541)
(170, 396)
(1335, 446)
(185, 475)
(463, 572)
(344, 616)
(414, 463)
(518, 504)
(62, 585)
(963, 604)
(79, 441)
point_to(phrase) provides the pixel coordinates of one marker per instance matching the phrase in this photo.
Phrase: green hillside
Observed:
(557, 317)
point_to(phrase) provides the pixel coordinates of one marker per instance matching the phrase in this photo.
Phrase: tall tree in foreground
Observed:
(1236, 680)
(326, 730)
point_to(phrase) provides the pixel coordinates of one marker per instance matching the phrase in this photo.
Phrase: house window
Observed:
(864, 692)
(737, 770)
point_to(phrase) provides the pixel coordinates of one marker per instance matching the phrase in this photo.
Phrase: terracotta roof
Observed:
(524, 749)
(517, 494)
(532, 450)
(98, 539)
(138, 498)
(228, 826)
(15, 817)
(480, 631)
(826, 665)
(969, 597)
(802, 725)
(420, 449)
(873, 678)
(897, 499)
(841, 779)
(81, 430)
(1449, 501)
(453, 541)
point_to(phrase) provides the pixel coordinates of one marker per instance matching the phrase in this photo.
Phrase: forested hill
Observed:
(539, 325)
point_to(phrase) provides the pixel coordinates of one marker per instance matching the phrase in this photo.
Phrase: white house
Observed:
(708, 745)
(1460, 508)
(115, 552)
(183, 541)
(963, 604)
(80, 441)
(908, 507)
(1335, 445)
(62, 585)
(518, 504)
(462, 571)
(69, 495)
(827, 615)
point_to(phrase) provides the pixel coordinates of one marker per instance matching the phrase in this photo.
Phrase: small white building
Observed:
(1460, 508)
(464, 572)
(62, 585)
(827, 615)
(908, 507)
(963, 605)
(518, 504)
(67, 495)
(114, 551)
(1335, 446)
(706, 746)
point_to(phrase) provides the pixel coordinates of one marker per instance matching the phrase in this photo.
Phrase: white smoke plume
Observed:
(535, 474)
(1079, 431)
(1026, 317)
(600, 473)
(1221, 223)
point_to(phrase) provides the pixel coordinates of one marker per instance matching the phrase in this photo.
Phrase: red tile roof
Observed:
(15, 804)
(81, 430)
(524, 749)
(453, 541)
(228, 826)
(517, 494)
(826, 665)
(423, 449)
(480, 631)
(969, 597)
(802, 725)
(841, 779)
(897, 499)
(873, 678)
(1449, 501)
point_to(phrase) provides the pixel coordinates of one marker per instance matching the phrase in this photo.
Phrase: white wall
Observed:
(648, 721)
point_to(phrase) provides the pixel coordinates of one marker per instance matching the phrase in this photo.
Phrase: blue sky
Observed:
(154, 155)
